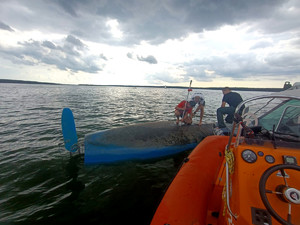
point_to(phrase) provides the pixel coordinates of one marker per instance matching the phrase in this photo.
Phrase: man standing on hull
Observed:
(232, 99)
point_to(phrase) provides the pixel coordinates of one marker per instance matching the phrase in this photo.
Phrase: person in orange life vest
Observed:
(184, 110)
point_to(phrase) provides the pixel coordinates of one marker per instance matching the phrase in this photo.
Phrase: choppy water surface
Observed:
(41, 184)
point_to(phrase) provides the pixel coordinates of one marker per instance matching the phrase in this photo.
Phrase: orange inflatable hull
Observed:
(188, 197)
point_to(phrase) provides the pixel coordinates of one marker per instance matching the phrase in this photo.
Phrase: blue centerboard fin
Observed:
(69, 130)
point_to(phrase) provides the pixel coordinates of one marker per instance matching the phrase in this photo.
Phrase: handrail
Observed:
(262, 97)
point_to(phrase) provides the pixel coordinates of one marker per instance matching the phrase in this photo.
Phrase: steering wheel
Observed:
(287, 194)
(249, 117)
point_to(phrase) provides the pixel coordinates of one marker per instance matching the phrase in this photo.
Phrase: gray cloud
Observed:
(130, 55)
(102, 56)
(163, 78)
(284, 62)
(149, 59)
(3, 26)
(66, 57)
(244, 66)
(261, 44)
(282, 18)
(75, 41)
(68, 6)
(296, 42)
(154, 21)
(48, 44)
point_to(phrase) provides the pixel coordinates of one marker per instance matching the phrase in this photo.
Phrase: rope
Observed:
(229, 157)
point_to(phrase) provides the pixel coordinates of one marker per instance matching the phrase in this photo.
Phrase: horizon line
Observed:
(120, 85)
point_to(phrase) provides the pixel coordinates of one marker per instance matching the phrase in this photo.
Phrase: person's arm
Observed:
(201, 108)
(224, 100)
(196, 110)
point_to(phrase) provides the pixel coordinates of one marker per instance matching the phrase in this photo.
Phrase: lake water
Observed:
(40, 183)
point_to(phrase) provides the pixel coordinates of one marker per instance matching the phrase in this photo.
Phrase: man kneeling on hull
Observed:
(233, 99)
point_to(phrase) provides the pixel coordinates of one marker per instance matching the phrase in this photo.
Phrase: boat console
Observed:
(262, 179)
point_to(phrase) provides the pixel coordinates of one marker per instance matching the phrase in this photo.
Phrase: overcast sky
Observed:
(215, 43)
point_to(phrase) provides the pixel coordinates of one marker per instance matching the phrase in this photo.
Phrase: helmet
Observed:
(198, 94)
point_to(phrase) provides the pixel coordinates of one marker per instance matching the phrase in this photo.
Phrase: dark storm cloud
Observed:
(157, 21)
(4, 26)
(154, 21)
(68, 6)
(149, 59)
(281, 19)
(69, 56)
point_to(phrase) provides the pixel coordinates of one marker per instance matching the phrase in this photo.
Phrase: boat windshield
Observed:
(285, 118)
(274, 115)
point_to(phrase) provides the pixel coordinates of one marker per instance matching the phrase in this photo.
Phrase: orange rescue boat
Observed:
(250, 177)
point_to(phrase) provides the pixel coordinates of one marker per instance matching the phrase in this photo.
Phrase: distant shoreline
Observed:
(209, 88)
(25, 82)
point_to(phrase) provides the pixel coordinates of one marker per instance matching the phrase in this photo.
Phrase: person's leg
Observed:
(222, 111)
(220, 114)
(230, 115)
(177, 114)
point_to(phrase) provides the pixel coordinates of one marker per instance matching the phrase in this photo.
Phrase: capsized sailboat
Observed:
(252, 177)
(141, 141)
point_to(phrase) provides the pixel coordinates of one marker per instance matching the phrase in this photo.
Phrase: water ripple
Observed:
(40, 183)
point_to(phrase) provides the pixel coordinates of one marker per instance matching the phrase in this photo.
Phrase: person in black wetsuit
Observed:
(232, 99)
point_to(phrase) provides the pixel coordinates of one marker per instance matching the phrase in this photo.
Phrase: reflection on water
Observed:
(74, 185)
